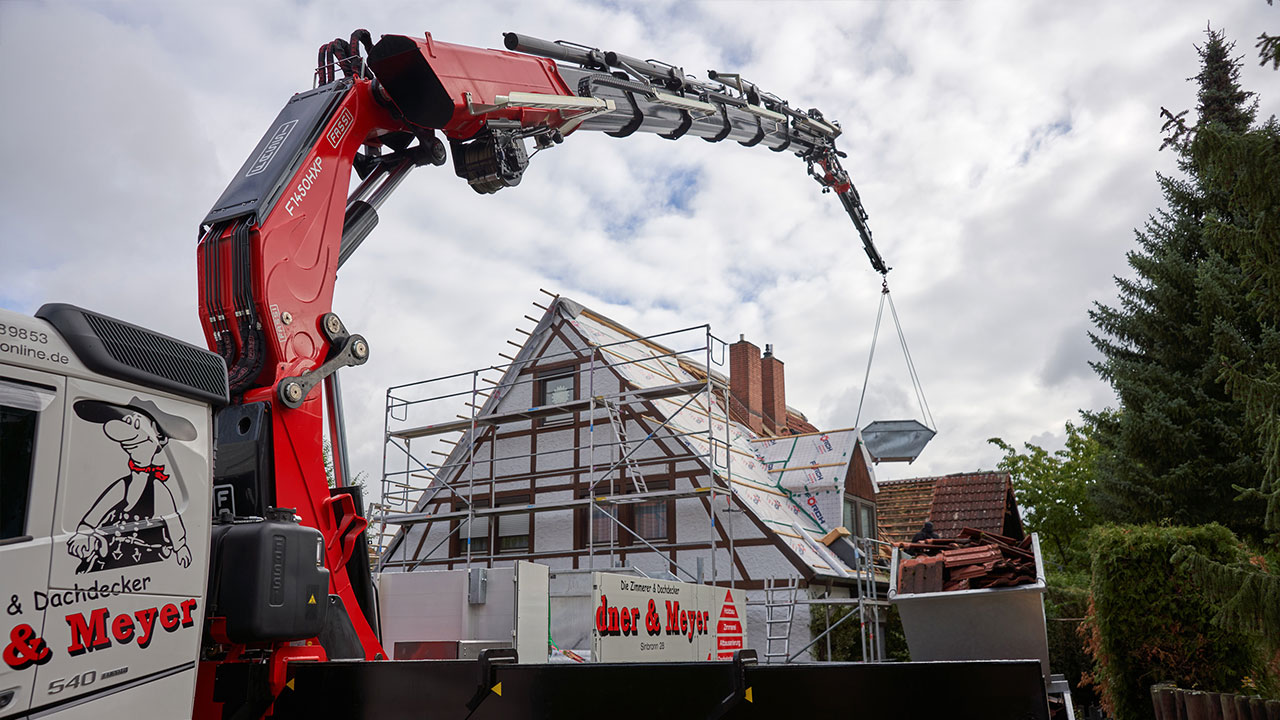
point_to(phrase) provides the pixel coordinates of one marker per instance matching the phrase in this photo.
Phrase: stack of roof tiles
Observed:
(976, 559)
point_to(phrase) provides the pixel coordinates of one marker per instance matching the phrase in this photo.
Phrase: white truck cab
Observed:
(105, 465)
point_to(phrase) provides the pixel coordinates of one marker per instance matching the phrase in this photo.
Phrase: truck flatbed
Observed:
(991, 690)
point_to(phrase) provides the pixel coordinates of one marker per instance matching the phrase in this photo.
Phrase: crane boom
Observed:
(611, 93)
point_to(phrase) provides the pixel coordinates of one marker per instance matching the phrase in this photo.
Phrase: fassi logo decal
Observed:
(97, 629)
(340, 127)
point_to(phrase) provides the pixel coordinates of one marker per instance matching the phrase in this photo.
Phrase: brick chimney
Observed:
(774, 395)
(745, 383)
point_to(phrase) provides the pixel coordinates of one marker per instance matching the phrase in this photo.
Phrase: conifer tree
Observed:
(1182, 442)
(1246, 167)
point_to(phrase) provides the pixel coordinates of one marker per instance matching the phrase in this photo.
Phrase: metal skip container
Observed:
(1004, 623)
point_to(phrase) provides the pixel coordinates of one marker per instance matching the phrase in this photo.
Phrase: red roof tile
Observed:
(981, 501)
(976, 500)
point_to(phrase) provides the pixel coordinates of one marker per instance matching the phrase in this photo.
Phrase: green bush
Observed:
(846, 640)
(1149, 624)
(1065, 604)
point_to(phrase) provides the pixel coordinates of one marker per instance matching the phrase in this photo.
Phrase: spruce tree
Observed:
(1181, 443)
(1246, 165)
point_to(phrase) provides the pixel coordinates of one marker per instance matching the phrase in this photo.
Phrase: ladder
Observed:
(380, 532)
(869, 601)
(779, 610)
(624, 446)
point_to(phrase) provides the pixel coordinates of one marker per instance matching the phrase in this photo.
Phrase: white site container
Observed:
(985, 624)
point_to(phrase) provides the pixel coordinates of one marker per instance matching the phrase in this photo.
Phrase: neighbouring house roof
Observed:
(981, 500)
(798, 424)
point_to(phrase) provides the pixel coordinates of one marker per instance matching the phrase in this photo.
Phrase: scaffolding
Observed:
(865, 603)
(430, 449)
(619, 424)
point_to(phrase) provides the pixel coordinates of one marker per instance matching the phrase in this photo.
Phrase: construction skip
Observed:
(650, 620)
(457, 614)
(980, 623)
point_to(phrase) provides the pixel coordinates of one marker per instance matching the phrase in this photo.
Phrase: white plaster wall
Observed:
(553, 529)
(554, 450)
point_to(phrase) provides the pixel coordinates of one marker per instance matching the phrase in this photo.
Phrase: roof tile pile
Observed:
(976, 559)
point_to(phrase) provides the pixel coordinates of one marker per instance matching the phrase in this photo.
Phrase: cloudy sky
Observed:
(1004, 150)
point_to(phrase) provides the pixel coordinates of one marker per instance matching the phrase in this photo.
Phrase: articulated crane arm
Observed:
(271, 246)
(633, 95)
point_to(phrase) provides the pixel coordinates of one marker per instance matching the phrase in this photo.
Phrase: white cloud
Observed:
(1004, 151)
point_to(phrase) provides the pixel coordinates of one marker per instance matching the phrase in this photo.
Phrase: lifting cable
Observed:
(925, 414)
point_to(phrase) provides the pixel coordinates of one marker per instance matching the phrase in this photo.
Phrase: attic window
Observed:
(860, 517)
(557, 389)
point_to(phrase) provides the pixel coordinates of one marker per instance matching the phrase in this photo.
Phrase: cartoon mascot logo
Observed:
(135, 519)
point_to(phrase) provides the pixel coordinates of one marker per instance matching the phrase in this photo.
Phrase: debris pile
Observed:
(976, 559)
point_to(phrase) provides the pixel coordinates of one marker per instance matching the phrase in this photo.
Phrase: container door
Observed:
(31, 408)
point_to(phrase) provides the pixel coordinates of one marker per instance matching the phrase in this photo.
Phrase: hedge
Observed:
(1148, 623)
(846, 639)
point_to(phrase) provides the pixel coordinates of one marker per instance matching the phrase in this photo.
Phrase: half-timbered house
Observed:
(595, 447)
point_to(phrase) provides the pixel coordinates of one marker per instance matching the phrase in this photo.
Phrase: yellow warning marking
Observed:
(749, 696)
(497, 689)
(290, 685)
(312, 601)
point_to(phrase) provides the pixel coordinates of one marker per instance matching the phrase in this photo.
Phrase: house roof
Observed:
(778, 479)
(798, 424)
(791, 484)
(980, 500)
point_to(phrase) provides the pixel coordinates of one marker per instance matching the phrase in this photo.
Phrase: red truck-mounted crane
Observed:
(168, 540)
(272, 244)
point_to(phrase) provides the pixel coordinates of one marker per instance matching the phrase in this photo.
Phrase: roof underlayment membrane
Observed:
(793, 484)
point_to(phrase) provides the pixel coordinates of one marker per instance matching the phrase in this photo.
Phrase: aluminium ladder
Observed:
(779, 610)
(624, 445)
